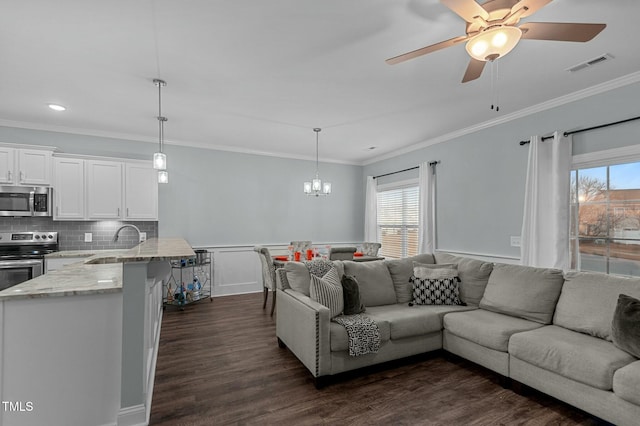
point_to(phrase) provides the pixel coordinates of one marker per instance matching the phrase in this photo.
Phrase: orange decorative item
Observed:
(358, 254)
(296, 256)
(309, 254)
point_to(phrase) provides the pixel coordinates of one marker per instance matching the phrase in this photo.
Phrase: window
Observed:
(398, 219)
(605, 219)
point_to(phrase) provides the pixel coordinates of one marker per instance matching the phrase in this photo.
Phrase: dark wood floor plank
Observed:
(219, 364)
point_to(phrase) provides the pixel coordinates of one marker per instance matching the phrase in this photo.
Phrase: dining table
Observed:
(279, 261)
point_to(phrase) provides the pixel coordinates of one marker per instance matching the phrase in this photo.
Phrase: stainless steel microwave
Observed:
(25, 201)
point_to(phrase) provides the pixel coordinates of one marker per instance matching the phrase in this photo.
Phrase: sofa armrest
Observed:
(303, 325)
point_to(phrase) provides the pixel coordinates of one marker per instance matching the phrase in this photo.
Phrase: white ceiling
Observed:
(258, 75)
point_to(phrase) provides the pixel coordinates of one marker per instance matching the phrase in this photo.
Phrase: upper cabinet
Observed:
(68, 189)
(104, 189)
(97, 189)
(141, 192)
(7, 156)
(25, 166)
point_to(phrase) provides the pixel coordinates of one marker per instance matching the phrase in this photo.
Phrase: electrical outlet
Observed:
(143, 236)
(88, 237)
(515, 241)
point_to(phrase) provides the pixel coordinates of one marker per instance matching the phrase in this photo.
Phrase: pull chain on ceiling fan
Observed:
(491, 31)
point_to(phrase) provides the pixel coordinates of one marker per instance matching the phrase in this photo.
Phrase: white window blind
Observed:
(398, 221)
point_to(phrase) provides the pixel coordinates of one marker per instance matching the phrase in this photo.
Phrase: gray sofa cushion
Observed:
(340, 339)
(626, 383)
(576, 356)
(588, 301)
(523, 291)
(401, 270)
(474, 275)
(298, 277)
(374, 281)
(489, 329)
(408, 321)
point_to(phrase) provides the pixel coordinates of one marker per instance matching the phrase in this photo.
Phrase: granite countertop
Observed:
(73, 279)
(100, 273)
(80, 253)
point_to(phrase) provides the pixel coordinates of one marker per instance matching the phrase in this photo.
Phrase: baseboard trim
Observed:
(135, 415)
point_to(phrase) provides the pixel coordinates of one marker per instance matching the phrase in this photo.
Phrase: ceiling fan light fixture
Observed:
(493, 42)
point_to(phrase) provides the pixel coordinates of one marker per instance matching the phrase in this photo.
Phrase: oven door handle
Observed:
(11, 264)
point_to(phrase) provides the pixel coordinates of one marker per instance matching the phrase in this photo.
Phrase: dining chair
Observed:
(341, 253)
(268, 276)
(370, 249)
(300, 246)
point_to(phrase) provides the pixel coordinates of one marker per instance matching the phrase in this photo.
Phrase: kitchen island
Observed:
(78, 345)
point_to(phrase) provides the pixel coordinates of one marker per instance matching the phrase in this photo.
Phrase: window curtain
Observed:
(371, 211)
(426, 211)
(545, 224)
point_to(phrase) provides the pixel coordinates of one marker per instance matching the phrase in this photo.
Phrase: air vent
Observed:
(590, 62)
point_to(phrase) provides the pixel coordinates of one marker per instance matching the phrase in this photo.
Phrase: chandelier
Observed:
(160, 158)
(316, 187)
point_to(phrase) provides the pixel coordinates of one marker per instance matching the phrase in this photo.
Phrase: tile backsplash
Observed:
(71, 233)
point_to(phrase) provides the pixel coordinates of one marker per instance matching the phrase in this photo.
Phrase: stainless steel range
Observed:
(22, 255)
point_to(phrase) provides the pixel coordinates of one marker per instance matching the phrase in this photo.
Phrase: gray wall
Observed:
(226, 198)
(481, 178)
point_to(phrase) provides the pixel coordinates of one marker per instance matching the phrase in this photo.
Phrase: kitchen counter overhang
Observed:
(101, 271)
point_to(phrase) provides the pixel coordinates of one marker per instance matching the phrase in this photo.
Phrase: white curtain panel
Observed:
(545, 224)
(426, 225)
(371, 211)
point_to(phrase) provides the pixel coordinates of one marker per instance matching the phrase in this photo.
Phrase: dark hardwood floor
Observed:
(219, 363)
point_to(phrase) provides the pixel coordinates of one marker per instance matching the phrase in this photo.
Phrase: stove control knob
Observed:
(44, 237)
(50, 236)
(37, 237)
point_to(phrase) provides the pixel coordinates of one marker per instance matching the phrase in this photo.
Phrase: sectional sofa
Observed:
(536, 326)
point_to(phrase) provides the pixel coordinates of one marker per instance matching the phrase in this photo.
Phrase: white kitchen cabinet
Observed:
(25, 166)
(34, 167)
(68, 189)
(104, 189)
(141, 192)
(7, 156)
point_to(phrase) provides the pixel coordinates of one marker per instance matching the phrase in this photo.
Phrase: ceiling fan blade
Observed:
(474, 70)
(466, 9)
(532, 6)
(425, 50)
(560, 31)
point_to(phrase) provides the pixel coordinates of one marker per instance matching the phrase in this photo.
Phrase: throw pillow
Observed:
(328, 291)
(625, 328)
(419, 268)
(351, 293)
(439, 287)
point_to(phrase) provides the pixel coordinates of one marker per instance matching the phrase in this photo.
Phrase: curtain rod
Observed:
(433, 163)
(573, 132)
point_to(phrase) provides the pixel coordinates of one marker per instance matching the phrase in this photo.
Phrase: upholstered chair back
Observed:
(371, 249)
(268, 269)
(301, 246)
(341, 253)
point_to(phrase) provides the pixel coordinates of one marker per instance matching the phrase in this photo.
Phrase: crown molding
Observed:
(139, 138)
(562, 100)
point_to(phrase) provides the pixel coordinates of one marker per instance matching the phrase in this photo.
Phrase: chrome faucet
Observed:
(115, 237)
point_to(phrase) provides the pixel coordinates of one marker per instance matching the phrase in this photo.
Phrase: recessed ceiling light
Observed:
(57, 107)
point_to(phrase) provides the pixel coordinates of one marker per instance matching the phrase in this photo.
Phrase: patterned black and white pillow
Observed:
(328, 291)
(436, 287)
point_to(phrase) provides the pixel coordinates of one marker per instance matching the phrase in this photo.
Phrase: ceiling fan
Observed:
(492, 31)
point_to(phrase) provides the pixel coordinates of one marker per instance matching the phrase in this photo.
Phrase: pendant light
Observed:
(316, 187)
(160, 158)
